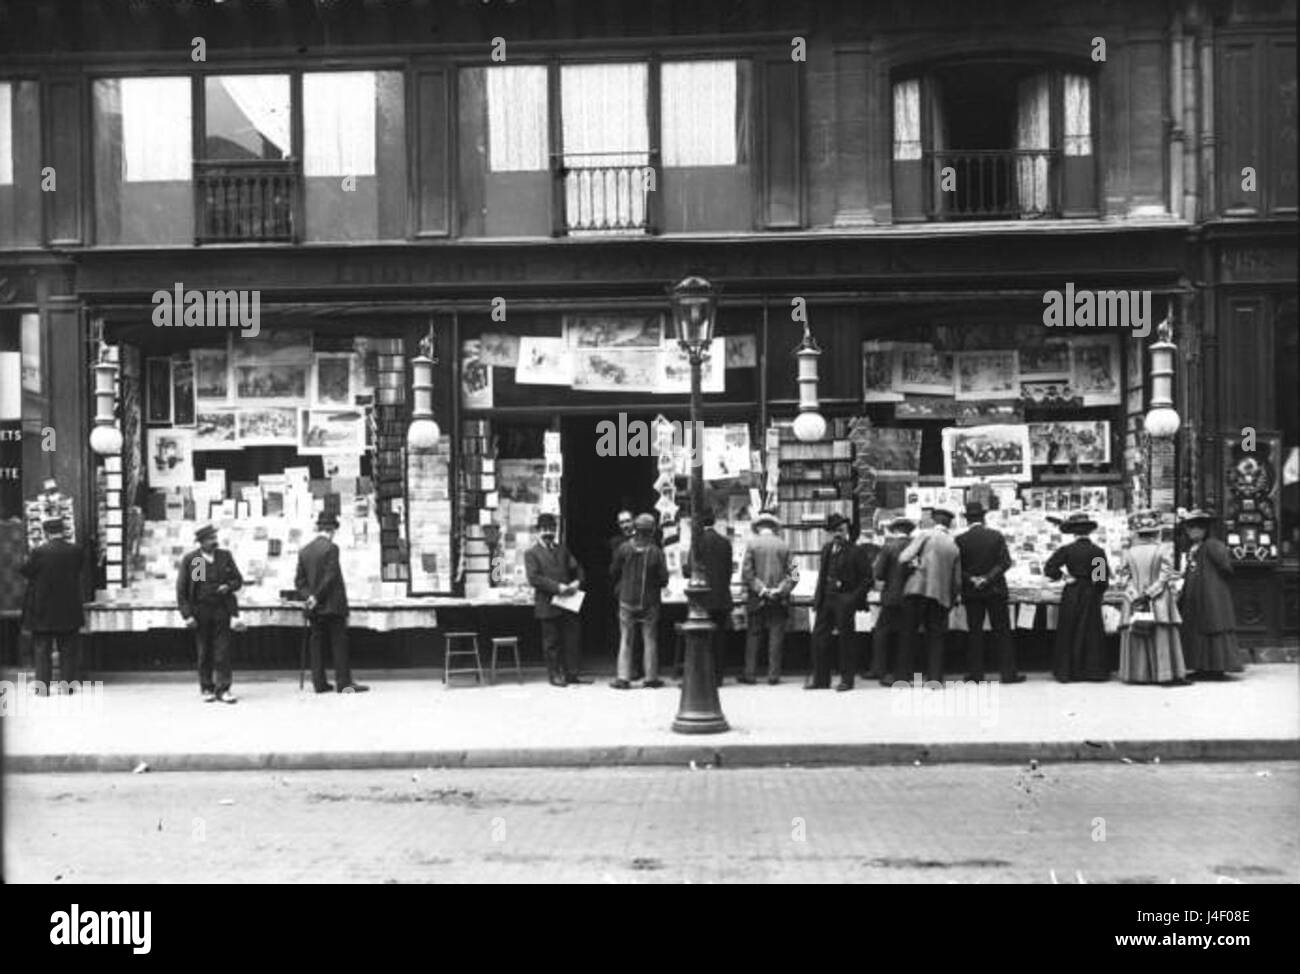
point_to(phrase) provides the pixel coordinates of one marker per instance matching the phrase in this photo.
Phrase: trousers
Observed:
(931, 617)
(329, 632)
(68, 645)
(999, 617)
(561, 644)
(889, 625)
(212, 641)
(647, 620)
(766, 624)
(834, 619)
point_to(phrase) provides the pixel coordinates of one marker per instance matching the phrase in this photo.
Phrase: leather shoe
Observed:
(620, 684)
(1018, 678)
(773, 680)
(327, 688)
(747, 680)
(577, 679)
(354, 688)
(653, 684)
(841, 687)
(887, 680)
(557, 681)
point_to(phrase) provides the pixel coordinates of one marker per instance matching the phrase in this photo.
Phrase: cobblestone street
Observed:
(1066, 823)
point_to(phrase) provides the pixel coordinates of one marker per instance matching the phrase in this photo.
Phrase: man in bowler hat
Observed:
(985, 560)
(206, 583)
(889, 570)
(552, 570)
(320, 583)
(843, 578)
(52, 609)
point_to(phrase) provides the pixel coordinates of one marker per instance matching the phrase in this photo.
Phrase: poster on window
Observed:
(923, 370)
(499, 351)
(332, 380)
(890, 453)
(1071, 443)
(1095, 371)
(614, 331)
(880, 375)
(171, 458)
(975, 454)
(211, 375)
(475, 377)
(675, 369)
(742, 351)
(214, 429)
(616, 369)
(267, 426)
(987, 375)
(327, 431)
(544, 362)
(1050, 360)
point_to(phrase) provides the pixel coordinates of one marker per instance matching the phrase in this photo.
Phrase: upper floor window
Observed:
(6, 134)
(993, 140)
(20, 164)
(612, 156)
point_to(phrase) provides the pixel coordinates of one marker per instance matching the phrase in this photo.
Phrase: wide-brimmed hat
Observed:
(326, 521)
(207, 531)
(767, 517)
(1198, 516)
(942, 512)
(1076, 523)
(546, 522)
(975, 511)
(834, 519)
(1144, 522)
(902, 525)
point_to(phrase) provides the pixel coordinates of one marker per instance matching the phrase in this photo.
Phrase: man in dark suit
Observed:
(892, 573)
(206, 582)
(320, 583)
(985, 561)
(843, 578)
(715, 556)
(553, 571)
(52, 609)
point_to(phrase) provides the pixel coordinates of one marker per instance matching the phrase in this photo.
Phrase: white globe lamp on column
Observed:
(105, 438)
(423, 434)
(809, 425)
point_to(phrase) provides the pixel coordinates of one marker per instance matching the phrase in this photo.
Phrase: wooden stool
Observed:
(448, 670)
(506, 642)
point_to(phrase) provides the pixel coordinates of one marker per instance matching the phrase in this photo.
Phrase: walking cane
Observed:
(291, 595)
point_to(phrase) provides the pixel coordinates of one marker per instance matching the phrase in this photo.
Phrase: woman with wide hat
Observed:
(1150, 650)
(1080, 652)
(1209, 623)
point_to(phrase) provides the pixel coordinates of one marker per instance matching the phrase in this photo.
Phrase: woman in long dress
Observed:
(1080, 652)
(1209, 622)
(1152, 653)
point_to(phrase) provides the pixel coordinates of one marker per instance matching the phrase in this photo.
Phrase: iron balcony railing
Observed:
(605, 192)
(252, 201)
(991, 184)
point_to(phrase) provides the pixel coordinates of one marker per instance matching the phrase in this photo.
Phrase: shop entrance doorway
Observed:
(596, 488)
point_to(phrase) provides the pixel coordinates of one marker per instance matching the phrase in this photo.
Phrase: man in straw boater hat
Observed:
(929, 593)
(52, 610)
(769, 575)
(1080, 652)
(843, 578)
(553, 571)
(320, 583)
(985, 560)
(892, 574)
(206, 583)
(1209, 623)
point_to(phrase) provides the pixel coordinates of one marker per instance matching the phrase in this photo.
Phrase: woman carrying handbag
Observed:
(1150, 649)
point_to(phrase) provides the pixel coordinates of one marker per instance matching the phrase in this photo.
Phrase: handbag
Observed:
(1143, 619)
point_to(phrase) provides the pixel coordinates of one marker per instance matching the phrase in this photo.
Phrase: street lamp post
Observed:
(694, 303)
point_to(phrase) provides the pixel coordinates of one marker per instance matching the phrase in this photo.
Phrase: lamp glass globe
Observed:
(809, 427)
(106, 440)
(423, 434)
(1161, 422)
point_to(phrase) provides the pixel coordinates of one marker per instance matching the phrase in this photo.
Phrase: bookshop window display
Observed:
(258, 435)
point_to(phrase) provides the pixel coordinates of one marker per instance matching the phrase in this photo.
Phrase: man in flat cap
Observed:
(206, 582)
(843, 578)
(320, 582)
(552, 570)
(52, 609)
(639, 574)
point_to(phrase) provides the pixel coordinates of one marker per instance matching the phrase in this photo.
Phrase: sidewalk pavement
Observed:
(409, 719)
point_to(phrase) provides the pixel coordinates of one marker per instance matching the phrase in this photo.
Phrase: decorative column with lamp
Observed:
(1162, 421)
(809, 425)
(694, 304)
(106, 441)
(423, 434)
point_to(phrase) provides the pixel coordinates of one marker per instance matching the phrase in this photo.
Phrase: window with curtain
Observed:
(6, 134)
(701, 113)
(907, 119)
(247, 117)
(517, 119)
(156, 133)
(604, 108)
(1033, 132)
(1078, 115)
(338, 123)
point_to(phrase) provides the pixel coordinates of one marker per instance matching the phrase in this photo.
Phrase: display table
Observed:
(381, 616)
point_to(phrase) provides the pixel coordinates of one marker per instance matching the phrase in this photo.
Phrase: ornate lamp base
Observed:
(700, 710)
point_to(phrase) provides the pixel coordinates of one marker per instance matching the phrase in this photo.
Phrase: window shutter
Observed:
(782, 196)
(433, 138)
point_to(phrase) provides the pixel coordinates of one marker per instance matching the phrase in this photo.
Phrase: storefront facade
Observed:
(824, 203)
